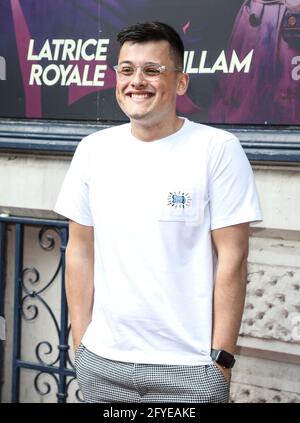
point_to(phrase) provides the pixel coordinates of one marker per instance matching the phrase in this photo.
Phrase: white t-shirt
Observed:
(153, 206)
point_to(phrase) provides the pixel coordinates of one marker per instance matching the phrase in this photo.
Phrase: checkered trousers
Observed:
(103, 380)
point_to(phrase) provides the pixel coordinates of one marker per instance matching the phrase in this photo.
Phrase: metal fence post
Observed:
(17, 313)
(2, 298)
(63, 336)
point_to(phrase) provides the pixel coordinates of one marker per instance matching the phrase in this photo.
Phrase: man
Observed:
(159, 211)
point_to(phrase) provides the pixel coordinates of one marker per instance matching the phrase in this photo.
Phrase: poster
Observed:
(243, 58)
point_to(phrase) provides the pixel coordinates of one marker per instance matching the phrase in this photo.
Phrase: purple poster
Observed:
(243, 58)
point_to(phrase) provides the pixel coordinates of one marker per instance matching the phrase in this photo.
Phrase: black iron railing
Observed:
(29, 300)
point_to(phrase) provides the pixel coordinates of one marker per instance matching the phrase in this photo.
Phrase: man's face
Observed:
(149, 102)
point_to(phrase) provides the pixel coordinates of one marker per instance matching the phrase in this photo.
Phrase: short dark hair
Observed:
(154, 31)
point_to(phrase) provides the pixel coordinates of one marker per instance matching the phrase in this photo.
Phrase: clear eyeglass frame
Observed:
(150, 71)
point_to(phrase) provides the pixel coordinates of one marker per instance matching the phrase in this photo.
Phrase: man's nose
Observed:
(138, 78)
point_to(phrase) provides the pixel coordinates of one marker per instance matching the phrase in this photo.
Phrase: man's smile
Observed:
(140, 96)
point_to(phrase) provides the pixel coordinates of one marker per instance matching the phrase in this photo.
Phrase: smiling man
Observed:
(159, 211)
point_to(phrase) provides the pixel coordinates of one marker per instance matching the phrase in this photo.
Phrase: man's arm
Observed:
(231, 246)
(80, 278)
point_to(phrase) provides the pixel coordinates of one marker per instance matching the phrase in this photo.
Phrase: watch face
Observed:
(225, 359)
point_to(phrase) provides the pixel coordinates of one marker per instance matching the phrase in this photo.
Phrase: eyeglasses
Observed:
(150, 71)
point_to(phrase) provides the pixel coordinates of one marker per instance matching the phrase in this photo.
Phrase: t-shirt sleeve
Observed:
(233, 197)
(73, 199)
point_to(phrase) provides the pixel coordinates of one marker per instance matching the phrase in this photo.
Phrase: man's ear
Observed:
(182, 83)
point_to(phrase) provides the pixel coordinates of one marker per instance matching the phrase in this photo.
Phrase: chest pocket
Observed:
(182, 203)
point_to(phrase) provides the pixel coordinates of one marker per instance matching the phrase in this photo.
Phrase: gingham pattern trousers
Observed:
(102, 380)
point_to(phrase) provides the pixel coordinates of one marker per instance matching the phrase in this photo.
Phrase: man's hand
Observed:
(226, 372)
(76, 345)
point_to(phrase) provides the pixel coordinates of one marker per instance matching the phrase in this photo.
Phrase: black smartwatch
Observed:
(224, 358)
